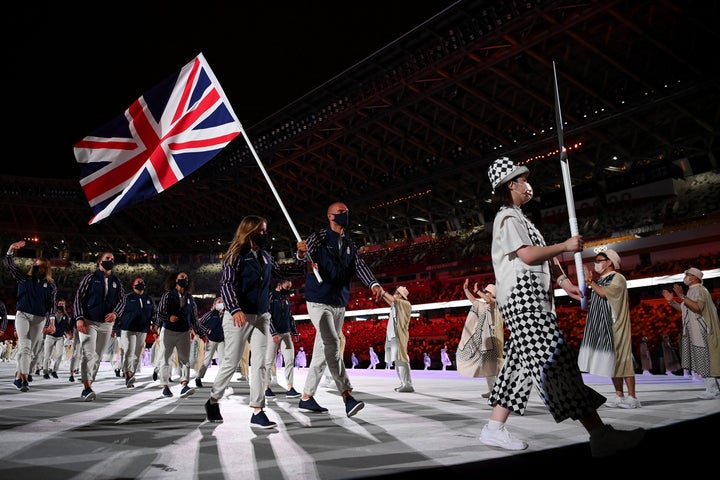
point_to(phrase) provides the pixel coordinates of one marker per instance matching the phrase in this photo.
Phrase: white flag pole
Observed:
(282, 206)
(567, 183)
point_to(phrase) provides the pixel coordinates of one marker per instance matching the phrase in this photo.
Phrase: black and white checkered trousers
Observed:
(537, 354)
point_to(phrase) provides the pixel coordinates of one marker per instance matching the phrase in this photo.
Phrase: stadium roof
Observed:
(404, 137)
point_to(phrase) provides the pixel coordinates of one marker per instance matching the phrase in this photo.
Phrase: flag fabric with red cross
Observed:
(164, 136)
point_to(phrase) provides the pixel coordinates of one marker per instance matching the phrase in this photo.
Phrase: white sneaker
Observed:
(608, 441)
(405, 389)
(614, 402)
(501, 438)
(630, 402)
(709, 395)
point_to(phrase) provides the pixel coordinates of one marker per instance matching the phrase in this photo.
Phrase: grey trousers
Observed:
(132, 344)
(328, 322)
(235, 337)
(210, 350)
(92, 346)
(175, 341)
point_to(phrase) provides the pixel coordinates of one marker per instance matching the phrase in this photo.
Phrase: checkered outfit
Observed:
(536, 352)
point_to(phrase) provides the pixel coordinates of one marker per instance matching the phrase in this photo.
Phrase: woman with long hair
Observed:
(247, 271)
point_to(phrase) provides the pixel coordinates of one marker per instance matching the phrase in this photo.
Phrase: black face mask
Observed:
(285, 291)
(183, 283)
(140, 286)
(61, 308)
(342, 219)
(35, 270)
(107, 264)
(260, 239)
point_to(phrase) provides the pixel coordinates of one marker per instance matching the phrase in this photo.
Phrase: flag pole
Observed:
(567, 183)
(282, 206)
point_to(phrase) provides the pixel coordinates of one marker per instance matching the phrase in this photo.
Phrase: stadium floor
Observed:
(49, 433)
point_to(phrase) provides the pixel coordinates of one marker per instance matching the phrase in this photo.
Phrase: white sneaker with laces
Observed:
(501, 438)
(630, 402)
(614, 402)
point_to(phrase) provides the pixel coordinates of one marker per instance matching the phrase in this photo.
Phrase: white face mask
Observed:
(220, 306)
(687, 281)
(528, 189)
(599, 267)
(527, 195)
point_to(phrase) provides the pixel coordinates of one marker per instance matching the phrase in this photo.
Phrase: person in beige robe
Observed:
(479, 351)
(700, 340)
(609, 299)
(398, 336)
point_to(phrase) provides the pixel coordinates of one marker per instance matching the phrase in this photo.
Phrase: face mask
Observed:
(140, 286)
(107, 264)
(599, 267)
(528, 193)
(342, 219)
(285, 291)
(61, 308)
(183, 283)
(260, 239)
(220, 306)
(35, 270)
(686, 281)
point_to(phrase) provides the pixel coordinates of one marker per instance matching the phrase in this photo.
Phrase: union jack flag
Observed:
(165, 135)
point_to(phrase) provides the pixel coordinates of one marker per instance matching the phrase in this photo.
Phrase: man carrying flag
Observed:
(165, 135)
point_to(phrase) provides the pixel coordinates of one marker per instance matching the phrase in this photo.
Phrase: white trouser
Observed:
(132, 345)
(490, 379)
(235, 337)
(403, 373)
(52, 352)
(75, 352)
(210, 349)
(391, 351)
(30, 339)
(92, 346)
(328, 322)
(175, 342)
(711, 385)
(287, 350)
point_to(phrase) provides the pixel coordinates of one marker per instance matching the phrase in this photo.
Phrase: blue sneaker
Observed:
(186, 391)
(88, 395)
(212, 410)
(18, 383)
(261, 420)
(292, 393)
(311, 405)
(352, 406)
(166, 392)
(269, 393)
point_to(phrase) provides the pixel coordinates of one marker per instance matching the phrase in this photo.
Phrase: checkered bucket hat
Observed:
(502, 170)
